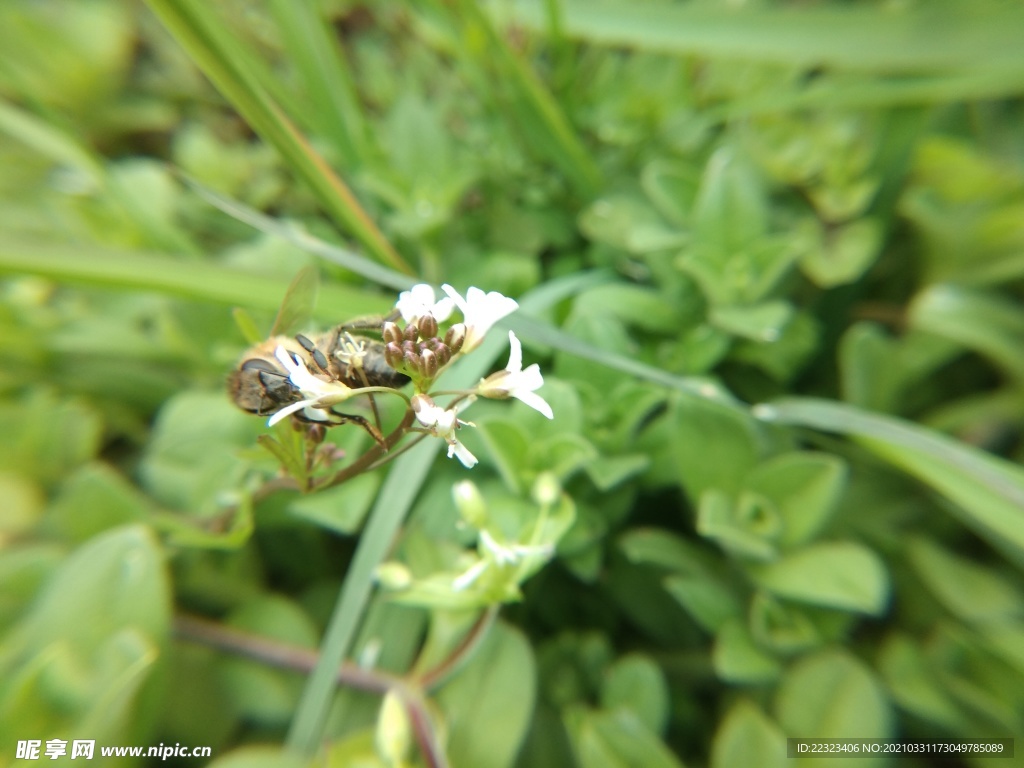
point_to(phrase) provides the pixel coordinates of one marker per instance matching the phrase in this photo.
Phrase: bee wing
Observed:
(298, 302)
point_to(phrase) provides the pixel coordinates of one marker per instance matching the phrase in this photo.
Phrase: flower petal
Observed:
(515, 354)
(535, 401)
(462, 453)
(288, 410)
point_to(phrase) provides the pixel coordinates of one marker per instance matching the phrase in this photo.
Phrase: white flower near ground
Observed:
(443, 423)
(515, 382)
(316, 392)
(480, 311)
(419, 301)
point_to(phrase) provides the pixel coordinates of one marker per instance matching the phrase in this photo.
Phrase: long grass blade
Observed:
(225, 62)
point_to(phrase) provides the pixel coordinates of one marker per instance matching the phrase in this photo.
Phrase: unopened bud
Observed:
(316, 433)
(393, 575)
(394, 355)
(455, 337)
(412, 331)
(414, 361)
(408, 346)
(429, 363)
(443, 354)
(470, 503)
(428, 326)
(546, 489)
(391, 333)
(394, 731)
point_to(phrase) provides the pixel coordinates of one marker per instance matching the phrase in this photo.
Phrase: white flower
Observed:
(419, 301)
(443, 423)
(515, 382)
(495, 553)
(317, 393)
(480, 311)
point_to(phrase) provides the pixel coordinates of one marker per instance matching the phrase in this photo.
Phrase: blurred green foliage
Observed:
(813, 208)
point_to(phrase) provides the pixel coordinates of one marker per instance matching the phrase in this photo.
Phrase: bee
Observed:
(260, 384)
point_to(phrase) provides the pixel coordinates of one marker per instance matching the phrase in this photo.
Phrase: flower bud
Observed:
(470, 503)
(443, 354)
(407, 347)
(455, 337)
(428, 326)
(415, 361)
(393, 575)
(393, 355)
(546, 489)
(316, 433)
(421, 403)
(394, 731)
(412, 331)
(429, 363)
(391, 333)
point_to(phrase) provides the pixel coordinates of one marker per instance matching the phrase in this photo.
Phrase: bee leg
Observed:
(370, 429)
(318, 357)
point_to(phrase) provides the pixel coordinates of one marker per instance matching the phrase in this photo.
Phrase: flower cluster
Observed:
(419, 351)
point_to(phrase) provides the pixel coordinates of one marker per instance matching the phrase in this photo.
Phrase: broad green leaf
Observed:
(23, 504)
(968, 590)
(842, 575)
(487, 705)
(94, 499)
(983, 321)
(737, 659)
(341, 509)
(988, 490)
(913, 681)
(759, 322)
(804, 487)
(747, 528)
(714, 445)
(708, 601)
(843, 255)
(635, 683)
(831, 695)
(606, 739)
(666, 550)
(746, 736)
(114, 581)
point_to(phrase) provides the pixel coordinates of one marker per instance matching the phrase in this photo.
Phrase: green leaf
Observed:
(715, 446)
(605, 739)
(23, 504)
(746, 736)
(804, 487)
(983, 321)
(988, 490)
(842, 575)
(341, 509)
(968, 590)
(782, 627)
(737, 659)
(759, 322)
(635, 683)
(843, 254)
(831, 695)
(710, 603)
(487, 705)
(94, 499)
(224, 60)
(747, 528)
(914, 683)
(116, 581)
(664, 549)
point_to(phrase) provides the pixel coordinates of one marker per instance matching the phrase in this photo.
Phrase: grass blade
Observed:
(198, 280)
(220, 56)
(924, 38)
(321, 64)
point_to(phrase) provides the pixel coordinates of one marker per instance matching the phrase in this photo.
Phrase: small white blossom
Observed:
(443, 423)
(498, 554)
(317, 392)
(515, 382)
(480, 311)
(419, 301)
